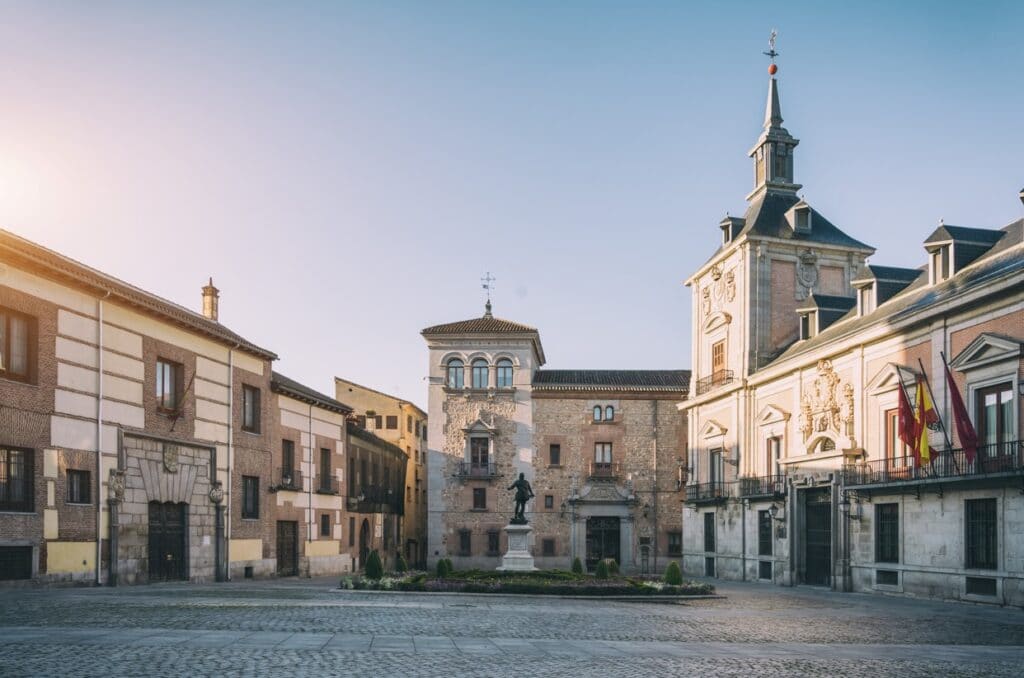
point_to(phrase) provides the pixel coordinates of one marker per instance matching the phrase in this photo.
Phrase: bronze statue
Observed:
(523, 494)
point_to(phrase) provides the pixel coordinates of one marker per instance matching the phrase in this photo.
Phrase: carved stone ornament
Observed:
(806, 274)
(706, 301)
(216, 493)
(730, 286)
(716, 272)
(824, 408)
(170, 458)
(116, 486)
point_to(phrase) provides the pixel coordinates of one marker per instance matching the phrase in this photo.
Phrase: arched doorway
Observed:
(364, 543)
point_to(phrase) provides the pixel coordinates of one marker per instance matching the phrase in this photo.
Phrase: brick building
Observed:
(602, 449)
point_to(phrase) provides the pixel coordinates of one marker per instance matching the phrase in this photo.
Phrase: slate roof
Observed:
(289, 387)
(890, 273)
(21, 252)
(964, 234)
(829, 302)
(766, 216)
(667, 381)
(482, 325)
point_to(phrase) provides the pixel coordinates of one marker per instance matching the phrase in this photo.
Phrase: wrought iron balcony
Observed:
(605, 471)
(763, 486)
(326, 484)
(717, 378)
(991, 460)
(467, 469)
(291, 479)
(707, 493)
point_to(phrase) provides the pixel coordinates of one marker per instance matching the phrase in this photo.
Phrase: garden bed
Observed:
(542, 582)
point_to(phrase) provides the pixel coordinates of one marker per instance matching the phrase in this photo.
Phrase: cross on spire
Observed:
(488, 284)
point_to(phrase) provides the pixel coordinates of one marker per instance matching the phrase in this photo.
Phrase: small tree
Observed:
(400, 564)
(374, 567)
(442, 568)
(577, 566)
(602, 569)
(448, 566)
(613, 566)
(673, 576)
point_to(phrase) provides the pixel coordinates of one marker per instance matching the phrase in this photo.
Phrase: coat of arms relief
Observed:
(720, 291)
(826, 406)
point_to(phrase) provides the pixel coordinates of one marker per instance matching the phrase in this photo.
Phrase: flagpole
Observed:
(942, 424)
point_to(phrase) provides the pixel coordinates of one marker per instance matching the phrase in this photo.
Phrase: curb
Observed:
(541, 596)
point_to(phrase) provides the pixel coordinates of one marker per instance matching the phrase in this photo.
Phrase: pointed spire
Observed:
(773, 152)
(773, 111)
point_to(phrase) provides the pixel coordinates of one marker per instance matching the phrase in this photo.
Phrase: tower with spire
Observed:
(773, 152)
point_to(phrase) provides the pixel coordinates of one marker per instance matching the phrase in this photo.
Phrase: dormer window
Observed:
(938, 264)
(808, 324)
(866, 300)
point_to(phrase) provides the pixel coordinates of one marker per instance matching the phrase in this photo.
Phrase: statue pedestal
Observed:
(517, 558)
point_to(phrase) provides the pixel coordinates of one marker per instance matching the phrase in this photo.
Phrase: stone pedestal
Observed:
(517, 558)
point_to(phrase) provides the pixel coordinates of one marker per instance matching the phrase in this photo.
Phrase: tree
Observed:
(577, 566)
(374, 567)
(442, 568)
(613, 566)
(673, 576)
(400, 564)
(602, 569)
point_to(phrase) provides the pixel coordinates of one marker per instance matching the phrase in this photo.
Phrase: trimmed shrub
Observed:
(448, 564)
(602, 570)
(374, 568)
(673, 576)
(400, 564)
(577, 566)
(613, 566)
(442, 569)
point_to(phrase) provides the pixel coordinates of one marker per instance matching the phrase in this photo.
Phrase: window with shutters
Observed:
(717, 357)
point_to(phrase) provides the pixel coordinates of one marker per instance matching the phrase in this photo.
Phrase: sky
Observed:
(348, 171)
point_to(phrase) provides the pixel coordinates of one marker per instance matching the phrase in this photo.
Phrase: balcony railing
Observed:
(706, 493)
(605, 470)
(291, 479)
(468, 469)
(717, 378)
(1000, 458)
(764, 486)
(326, 484)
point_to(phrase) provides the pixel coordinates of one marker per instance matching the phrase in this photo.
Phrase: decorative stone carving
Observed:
(170, 458)
(217, 493)
(116, 485)
(806, 274)
(719, 292)
(825, 408)
(706, 300)
(730, 286)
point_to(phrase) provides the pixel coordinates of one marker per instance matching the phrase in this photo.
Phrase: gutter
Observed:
(99, 445)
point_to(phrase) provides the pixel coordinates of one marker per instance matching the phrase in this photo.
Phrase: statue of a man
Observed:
(523, 494)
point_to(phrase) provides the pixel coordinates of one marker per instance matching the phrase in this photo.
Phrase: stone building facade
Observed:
(401, 423)
(375, 496)
(603, 451)
(800, 350)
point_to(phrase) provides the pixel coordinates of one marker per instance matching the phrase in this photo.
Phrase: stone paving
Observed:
(303, 627)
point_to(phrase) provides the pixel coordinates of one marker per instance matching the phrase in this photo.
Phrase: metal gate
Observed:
(167, 528)
(818, 539)
(287, 548)
(602, 540)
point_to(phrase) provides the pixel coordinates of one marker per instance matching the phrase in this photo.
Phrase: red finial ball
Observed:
(773, 69)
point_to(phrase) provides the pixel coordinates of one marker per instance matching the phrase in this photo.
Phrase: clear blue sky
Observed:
(347, 171)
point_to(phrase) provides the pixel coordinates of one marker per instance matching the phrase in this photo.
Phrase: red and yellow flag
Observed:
(926, 417)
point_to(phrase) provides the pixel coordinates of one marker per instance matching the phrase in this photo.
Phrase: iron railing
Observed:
(707, 492)
(763, 486)
(468, 469)
(1000, 458)
(606, 471)
(291, 479)
(717, 378)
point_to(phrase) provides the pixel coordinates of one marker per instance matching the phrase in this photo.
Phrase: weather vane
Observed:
(488, 284)
(771, 53)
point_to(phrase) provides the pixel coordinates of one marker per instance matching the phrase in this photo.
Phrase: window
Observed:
(480, 370)
(717, 357)
(79, 488)
(287, 461)
(351, 531)
(805, 326)
(709, 532)
(896, 454)
(424, 431)
(455, 373)
(547, 547)
(361, 421)
(602, 455)
(408, 494)
(417, 428)
(995, 418)
(479, 498)
(555, 455)
(609, 413)
(250, 409)
(378, 422)
(598, 412)
(479, 452)
(887, 533)
(17, 357)
(325, 525)
(465, 543)
(549, 501)
(392, 422)
(715, 466)
(325, 470)
(250, 497)
(168, 385)
(408, 423)
(16, 476)
(980, 523)
(504, 373)
(493, 543)
(15, 562)
(774, 454)
(940, 264)
(764, 533)
(675, 544)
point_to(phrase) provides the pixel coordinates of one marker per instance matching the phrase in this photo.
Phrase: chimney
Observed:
(211, 300)
(1021, 195)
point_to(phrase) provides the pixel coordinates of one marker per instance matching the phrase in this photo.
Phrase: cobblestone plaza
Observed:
(310, 628)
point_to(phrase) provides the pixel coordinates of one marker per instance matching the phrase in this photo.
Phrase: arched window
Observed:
(504, 373)
(455, 373)
(597, 413)
(480, 373)
(609, 413)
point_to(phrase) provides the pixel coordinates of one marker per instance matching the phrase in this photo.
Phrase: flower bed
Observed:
(543, 582)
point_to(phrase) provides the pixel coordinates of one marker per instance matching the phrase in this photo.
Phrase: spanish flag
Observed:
(926, 418)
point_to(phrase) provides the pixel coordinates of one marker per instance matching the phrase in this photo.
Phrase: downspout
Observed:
(654, 416)
(99, 444)
(309, 492)
(231, 455)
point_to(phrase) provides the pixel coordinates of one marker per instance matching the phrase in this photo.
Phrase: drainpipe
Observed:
(309, 492)
(654, 416)
(743, 538)
(231, 440)
(99, 444)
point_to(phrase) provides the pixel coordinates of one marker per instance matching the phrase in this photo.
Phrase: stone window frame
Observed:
(552, 463)
(479, 498)
(250, 502)
(80, 479)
